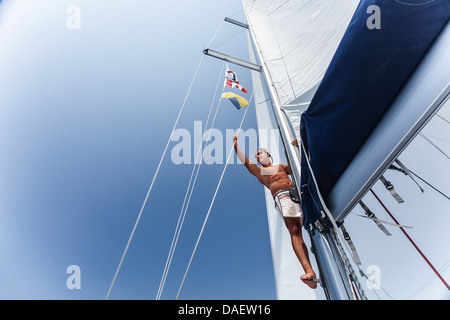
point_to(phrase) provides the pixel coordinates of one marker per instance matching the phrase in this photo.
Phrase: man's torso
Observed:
(275, 178)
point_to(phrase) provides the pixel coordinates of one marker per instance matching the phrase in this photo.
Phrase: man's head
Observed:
(263, 156)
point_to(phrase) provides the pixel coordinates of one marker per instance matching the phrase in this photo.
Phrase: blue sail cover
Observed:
(380, 50)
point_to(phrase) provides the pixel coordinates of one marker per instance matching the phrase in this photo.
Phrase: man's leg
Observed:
(299, 246)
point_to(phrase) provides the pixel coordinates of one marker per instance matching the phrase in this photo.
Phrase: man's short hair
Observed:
(265, 150)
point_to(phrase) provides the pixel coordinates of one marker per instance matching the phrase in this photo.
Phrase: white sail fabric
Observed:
(297, 40)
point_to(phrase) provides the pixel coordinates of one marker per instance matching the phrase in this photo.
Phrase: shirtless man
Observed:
(276, 179)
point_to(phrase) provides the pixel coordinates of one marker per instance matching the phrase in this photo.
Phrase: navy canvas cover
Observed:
(378, 53)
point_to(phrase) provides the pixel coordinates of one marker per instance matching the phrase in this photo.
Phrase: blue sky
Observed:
(85, 116)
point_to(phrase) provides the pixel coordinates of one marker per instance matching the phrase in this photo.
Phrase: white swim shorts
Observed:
(286, 207)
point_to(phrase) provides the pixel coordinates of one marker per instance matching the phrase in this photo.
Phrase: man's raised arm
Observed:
(250, 165)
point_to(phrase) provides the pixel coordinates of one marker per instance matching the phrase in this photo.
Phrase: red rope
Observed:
(354, 290)
(413, 243)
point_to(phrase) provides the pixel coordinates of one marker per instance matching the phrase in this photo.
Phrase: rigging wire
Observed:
(428, 282)
(228, 39)
(210, 206)
(276, 9)
(375, 284)
(157, 169)
(412, 242)
(434, 145)
(284, 61)
(325, 208)
(430, 185)
(443, 118)
(191, 185)
(349, 270)
(152, 183)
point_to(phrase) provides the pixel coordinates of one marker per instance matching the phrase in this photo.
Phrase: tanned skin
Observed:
(276, 178)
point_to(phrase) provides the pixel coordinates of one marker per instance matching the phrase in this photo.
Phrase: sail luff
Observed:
(287, 135)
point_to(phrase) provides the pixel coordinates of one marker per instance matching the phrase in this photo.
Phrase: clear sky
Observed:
(86, 112)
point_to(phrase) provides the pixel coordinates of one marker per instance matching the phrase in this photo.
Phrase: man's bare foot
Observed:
(310, 280)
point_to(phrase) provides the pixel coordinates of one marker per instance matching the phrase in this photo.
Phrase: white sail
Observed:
(297, 40)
